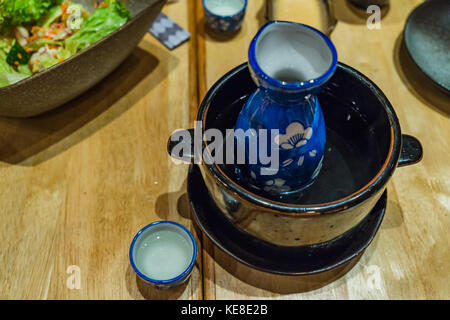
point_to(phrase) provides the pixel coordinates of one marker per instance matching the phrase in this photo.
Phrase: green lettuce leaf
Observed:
(72, 9)
(7, 79)
(8, 75)
(5, 46)
(4, 66)
(111, 15)
(17, 12)
(52, 14)
(47, 57)
(17, 55)
(24, 69)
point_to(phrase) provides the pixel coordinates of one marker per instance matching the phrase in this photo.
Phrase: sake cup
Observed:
(224, 16)
(163, 254)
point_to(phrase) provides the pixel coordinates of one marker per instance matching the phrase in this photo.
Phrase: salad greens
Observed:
(37, 34)
(17, 12)
(17, 55)
(102, 22)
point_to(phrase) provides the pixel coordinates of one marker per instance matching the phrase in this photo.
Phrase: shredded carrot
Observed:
(19, 55)
(104, 5)
(64, 10)
(35, 29)
(61, 60)
(64, 7)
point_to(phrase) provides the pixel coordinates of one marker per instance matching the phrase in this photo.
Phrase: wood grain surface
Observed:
(79, 182)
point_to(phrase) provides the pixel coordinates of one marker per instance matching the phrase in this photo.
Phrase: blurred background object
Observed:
(364, 4)
(224, 16)
(316, 13)
(427, 40)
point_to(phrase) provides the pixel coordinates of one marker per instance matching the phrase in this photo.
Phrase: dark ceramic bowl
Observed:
(364, 147)
(270, 258)
(66, 80)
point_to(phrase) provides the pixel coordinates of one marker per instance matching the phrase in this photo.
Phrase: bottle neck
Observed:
(289, 97)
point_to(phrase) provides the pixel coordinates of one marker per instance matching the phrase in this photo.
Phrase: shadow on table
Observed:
(138, 289)
(180, 197)
(393, 217)
(277, 284)
(345, 11)
(417, 82)
(22, 141)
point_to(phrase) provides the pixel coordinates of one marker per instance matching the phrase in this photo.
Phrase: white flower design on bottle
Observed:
(295, 137)
(276, 185)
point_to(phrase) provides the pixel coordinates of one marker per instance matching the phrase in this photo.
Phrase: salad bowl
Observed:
(66, 80)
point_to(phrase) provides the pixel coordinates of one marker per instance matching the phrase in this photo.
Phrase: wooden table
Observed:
(79, 182)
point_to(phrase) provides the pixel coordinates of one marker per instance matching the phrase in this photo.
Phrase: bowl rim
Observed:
(181, 275)
(89, 48)
(279, 208)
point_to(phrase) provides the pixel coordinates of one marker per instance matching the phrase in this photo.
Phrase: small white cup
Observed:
(163, 254)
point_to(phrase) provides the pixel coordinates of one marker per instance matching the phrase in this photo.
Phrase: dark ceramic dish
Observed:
(427, 40)
(66, 80)
(364, 144)
(264, 256)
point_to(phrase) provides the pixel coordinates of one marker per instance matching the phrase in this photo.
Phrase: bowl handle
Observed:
(412, 151)
(181, 145)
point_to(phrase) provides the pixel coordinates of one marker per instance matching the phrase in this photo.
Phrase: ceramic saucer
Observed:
(427, 40)
(270, 258)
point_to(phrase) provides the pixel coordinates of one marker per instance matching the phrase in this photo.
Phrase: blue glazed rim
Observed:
(312, 83)
(226, 16)
(185, 272)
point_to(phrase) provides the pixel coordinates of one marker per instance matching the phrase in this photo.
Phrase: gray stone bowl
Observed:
(64, 81)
